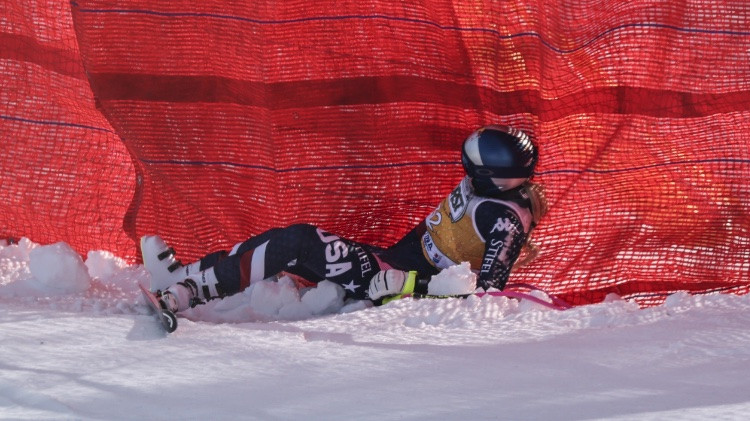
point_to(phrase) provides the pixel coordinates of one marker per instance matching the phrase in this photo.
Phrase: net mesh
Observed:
(208, 122)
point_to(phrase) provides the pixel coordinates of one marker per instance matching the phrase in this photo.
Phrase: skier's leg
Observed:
(304, 250)
(267, 255)
(301, 249)
(160, 261)
(189, 283)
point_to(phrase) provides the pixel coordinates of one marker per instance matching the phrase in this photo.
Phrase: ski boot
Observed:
(195, 289)
(159, 260)
(178, 297)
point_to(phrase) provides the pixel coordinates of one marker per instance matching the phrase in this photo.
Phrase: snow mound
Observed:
(41, 271)
(275, 300)
(455, 280)
(57, 269)
(103, 264)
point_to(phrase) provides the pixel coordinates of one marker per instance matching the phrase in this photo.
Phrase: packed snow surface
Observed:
(78, 342)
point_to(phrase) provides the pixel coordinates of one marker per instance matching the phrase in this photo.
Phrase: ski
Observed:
(166, 318)
(554, 303)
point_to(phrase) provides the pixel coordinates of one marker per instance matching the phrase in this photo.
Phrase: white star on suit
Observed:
(351, 286)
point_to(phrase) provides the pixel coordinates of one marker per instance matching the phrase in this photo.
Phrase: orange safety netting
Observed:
(210, 121)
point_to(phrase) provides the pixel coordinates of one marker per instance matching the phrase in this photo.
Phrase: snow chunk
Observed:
(269, 297)
(57, 270)
(103, 264)
(327, 297)
(455, 280)
(529, 305)
(14, 266)
(351, 306)
(19, 251)
(281, 298)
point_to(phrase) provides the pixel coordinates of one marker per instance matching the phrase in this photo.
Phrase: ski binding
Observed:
(166, 318)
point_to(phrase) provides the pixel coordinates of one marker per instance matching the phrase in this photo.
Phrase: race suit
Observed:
(486, 232)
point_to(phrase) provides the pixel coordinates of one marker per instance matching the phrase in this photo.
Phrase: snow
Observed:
(81, 344)
(455, 280)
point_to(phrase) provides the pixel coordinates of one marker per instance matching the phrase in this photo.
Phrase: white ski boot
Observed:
(195, 289)
(178, 297)
(159, 260)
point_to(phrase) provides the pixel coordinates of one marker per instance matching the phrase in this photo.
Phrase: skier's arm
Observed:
(504, 236)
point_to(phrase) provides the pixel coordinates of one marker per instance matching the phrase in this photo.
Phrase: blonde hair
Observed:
(538, 200)
(539, 208)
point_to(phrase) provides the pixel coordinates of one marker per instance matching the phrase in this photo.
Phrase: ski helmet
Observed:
(498, 158)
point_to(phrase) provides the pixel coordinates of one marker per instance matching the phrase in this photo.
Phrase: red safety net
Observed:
(209, 121)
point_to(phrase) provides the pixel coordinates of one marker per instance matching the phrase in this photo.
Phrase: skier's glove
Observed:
(392, 284)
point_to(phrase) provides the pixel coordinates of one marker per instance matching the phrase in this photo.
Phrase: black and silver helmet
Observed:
(498, 158)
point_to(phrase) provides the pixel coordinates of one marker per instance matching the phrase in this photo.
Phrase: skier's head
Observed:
(498, 158)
